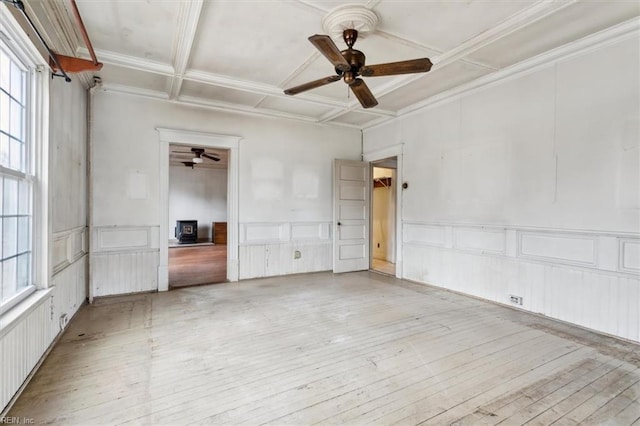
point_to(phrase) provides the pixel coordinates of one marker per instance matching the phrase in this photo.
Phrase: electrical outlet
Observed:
(297, 254)
(516, 300)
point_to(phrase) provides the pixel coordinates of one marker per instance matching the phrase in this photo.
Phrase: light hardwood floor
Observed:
(358, 348)
(383, 266)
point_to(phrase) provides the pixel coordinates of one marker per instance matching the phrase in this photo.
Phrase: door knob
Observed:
(339, 224)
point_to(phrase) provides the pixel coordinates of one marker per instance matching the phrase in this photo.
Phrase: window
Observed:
(16, 181)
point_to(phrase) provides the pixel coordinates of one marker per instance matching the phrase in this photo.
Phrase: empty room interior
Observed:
(320, 212)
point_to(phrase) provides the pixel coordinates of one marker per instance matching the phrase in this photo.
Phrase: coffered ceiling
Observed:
(240, 55)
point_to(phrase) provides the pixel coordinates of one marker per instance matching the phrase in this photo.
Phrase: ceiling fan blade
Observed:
(211, 157)
(364, 95)
(188, 163)
(312, 85)
(394, 68)
(328, 48)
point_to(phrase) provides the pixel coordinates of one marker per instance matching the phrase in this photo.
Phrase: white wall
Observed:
(199, 194)
(285, 199)
(26, 336)
(530, 187)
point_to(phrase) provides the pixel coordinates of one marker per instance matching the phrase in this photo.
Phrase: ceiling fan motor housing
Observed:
(356, 59)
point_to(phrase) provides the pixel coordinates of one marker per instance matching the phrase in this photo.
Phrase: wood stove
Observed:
(186, 231)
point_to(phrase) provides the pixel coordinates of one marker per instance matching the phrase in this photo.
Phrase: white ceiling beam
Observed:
(127, 61)
(226, 106)
(429, 49)
(257, 88)
(355, 107)
(188, 19)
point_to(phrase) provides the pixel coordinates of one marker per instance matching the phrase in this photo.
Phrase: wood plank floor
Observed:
(196, 265)
(358, 348)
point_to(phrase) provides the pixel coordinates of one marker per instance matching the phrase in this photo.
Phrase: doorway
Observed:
(383, 215)
(197, 237)
(209, 140)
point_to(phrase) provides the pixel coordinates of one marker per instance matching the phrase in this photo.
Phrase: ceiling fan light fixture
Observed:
(196, 160)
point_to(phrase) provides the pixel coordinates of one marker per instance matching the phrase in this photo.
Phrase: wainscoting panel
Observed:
(68, 246)
(425, 235)
(123, 273)
(270, 249)
(22, 346)
(70, 292)
(480, 239)
(563, 274)
(25, 338)
(124, 260)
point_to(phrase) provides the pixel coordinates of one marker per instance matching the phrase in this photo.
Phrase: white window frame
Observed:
(37, 152)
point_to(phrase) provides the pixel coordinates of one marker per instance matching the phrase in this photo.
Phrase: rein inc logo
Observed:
(17, 421)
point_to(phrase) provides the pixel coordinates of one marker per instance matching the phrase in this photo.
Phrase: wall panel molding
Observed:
(68, 247)
(565, 248)
(125, 238)
(483, 239)
(613, 252)
(629, 255)
(284, 232)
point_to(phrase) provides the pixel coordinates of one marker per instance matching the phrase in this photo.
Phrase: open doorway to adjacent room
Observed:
(383, 215)
(197, 215)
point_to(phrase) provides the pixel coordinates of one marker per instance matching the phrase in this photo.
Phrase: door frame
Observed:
(208, 140)
(371, 157)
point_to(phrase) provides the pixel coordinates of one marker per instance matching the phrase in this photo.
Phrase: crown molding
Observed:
(188, 19)
(136, 91)
(618, 33)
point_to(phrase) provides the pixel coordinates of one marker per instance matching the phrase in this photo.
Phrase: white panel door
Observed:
(351, 216)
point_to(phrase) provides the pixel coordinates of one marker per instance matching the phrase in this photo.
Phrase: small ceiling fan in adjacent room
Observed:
(198, 157)
(350, 65)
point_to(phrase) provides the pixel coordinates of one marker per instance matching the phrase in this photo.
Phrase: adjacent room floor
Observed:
(358, 348)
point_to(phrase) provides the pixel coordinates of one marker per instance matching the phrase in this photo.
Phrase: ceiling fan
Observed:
(198, 155)
(350, 63)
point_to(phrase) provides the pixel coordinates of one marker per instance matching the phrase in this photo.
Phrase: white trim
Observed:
(513, 235)
(189, 16)
(37, 154)
(393, 151)
(127, 61)
(17, 37)
(136, 91)
(212, 140)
